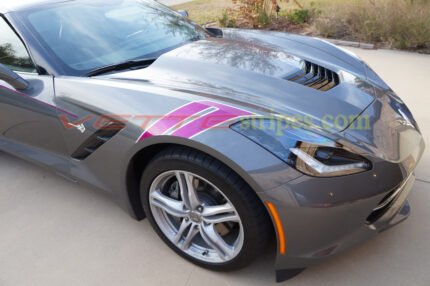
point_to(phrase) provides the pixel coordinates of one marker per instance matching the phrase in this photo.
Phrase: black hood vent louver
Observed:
(316, 77)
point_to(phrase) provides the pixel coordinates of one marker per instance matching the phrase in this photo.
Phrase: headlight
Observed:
(308, 152)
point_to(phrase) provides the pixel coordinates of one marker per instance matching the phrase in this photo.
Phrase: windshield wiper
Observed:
(139, 63)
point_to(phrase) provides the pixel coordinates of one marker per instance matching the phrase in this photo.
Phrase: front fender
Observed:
(260, 169)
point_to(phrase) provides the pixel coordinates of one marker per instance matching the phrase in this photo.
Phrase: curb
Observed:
(210, 24)
(360, 45)
(365, 46)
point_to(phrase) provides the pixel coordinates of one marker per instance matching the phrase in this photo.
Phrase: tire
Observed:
(215, 185)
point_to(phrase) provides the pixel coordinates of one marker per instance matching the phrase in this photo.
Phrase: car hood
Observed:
(249, 69)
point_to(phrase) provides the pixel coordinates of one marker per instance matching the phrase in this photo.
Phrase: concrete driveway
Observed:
(53, 232)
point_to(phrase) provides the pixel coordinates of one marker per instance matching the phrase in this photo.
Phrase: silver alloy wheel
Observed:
(196, 216)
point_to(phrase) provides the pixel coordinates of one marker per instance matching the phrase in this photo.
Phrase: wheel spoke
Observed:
(170, 206)
(194, 230)
(216, 242)
(216, 210)
(222, 218)
(219, 214)
(184, 225)
(188, 191)
(196, 216)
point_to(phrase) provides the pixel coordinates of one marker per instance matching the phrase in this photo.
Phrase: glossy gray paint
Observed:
(245, 69)
(12, 78)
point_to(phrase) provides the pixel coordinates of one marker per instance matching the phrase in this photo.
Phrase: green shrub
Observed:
(299, 16)
(263, 19)
(226, 20)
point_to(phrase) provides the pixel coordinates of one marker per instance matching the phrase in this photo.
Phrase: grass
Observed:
(389, 23)
(205, 11)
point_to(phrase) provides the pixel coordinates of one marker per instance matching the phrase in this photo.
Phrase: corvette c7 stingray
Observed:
(223, 139)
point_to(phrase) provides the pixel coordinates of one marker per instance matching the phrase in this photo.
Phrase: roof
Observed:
(7, 6)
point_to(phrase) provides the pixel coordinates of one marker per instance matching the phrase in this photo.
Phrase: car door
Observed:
(29, 124)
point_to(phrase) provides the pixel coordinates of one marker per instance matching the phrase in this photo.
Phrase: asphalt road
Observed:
(53, 232)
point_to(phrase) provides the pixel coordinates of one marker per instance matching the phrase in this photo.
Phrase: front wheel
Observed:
(203, 210)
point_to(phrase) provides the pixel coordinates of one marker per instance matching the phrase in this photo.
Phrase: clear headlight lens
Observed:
(321, 161)
(308, 152)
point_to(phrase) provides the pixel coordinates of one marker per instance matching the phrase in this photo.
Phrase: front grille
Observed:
(316, 77)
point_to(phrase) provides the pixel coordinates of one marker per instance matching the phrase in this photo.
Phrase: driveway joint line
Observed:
(423, 181)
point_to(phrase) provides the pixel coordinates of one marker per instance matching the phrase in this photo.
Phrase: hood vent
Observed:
(316, 77)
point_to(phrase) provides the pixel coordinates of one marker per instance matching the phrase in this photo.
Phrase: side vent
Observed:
(97, 140)
(316, 77)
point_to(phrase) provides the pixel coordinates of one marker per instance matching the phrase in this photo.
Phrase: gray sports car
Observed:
(223, 139)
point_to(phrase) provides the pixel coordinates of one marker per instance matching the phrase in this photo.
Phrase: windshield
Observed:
(86, 35)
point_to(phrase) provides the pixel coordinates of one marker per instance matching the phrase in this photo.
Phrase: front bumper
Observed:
(313, 234)
(322, 217)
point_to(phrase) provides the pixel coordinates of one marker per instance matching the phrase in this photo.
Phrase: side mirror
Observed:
(216, 32)
(183, 13)
(12, 78)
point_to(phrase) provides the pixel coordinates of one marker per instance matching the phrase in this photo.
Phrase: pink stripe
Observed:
(195, 126)
(224, 114)
(173, 118)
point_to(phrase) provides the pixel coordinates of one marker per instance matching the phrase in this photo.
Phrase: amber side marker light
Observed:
(281, 234)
